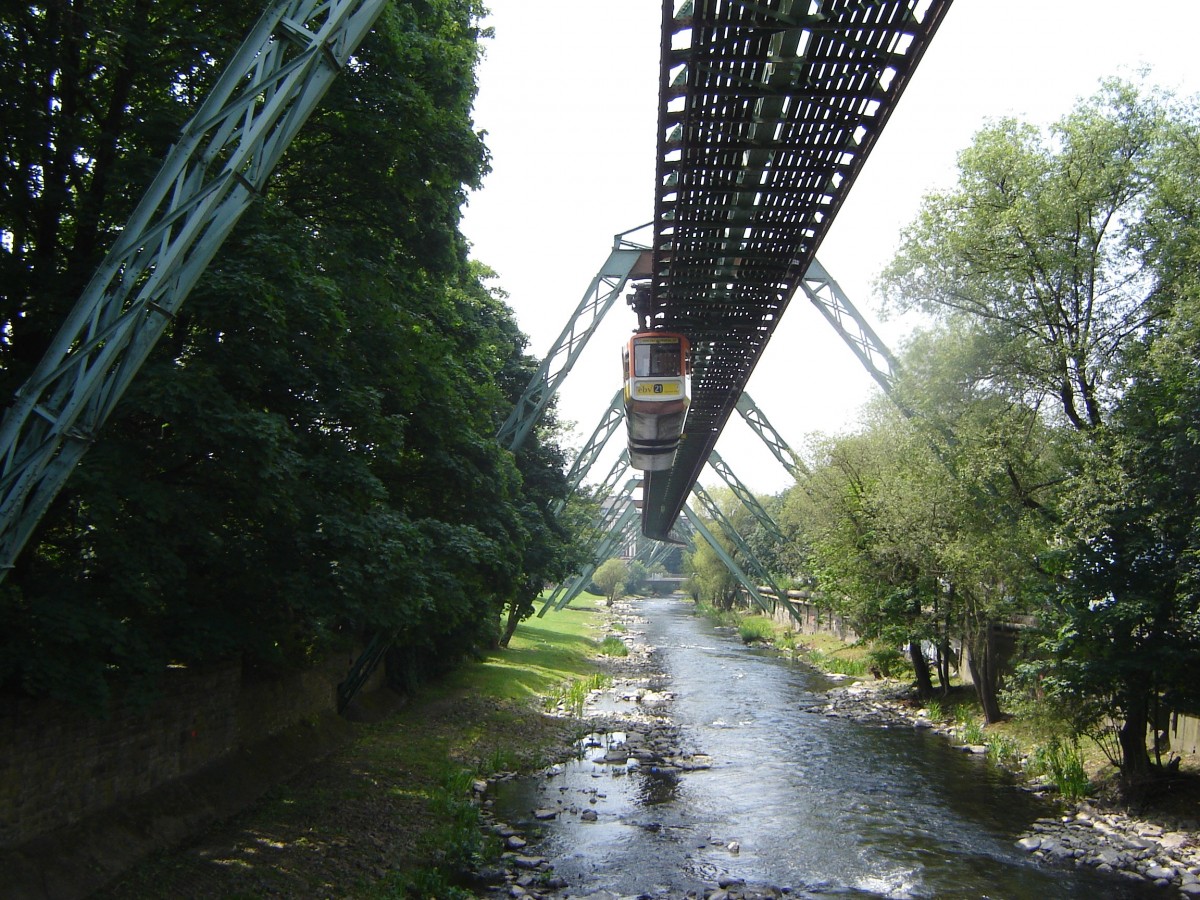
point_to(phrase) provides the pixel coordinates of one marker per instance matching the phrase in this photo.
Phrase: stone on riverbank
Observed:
(1117, 843)
(1110, 842)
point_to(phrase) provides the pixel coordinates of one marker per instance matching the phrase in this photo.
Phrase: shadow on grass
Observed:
(539, 659)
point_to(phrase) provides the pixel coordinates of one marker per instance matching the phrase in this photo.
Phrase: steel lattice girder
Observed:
(767, 112)
(210, 177)
(622, 265)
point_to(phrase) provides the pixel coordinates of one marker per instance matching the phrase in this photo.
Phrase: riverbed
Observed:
(762, 792)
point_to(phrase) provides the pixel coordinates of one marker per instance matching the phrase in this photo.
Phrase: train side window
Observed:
(641, 359)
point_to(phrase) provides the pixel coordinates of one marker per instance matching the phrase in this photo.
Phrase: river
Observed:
(796, 799)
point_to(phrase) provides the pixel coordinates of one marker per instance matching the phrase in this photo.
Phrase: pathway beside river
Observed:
(721, 771)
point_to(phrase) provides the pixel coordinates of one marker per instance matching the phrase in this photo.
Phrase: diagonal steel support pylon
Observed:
(627, 260)
(759, 424)
(730, 563)
(610, 421)
(717, 515)
(610, 527)
(744, 494)
(829, 298)
(215, 170)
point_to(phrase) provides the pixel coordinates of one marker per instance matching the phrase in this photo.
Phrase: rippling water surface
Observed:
(824, 806)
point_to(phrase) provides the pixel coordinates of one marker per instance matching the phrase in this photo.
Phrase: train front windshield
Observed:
(660, 359)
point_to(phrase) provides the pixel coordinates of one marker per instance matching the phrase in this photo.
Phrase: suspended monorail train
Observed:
(656, 397)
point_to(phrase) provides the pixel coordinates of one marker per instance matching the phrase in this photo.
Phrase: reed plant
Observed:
(572, 695)
(828, 662)
(1062, 763)
(972, 732)
(1003, 750)
(613, 646)
(756, 629)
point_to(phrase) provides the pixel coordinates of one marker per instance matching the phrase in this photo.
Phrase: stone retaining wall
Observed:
(812, 620)
(59, 764)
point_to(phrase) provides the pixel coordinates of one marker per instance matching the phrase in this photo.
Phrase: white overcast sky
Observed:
(568, 98)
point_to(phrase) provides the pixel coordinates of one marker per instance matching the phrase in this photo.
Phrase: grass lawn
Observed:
(544, 652)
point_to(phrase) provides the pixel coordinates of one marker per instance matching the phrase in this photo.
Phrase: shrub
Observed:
(727, 618)
(572, 695)
(837, 665)
(972, 732)
(1062, 763)
(756, 628)
(888, 660)
(456, 838)
(1003, 749)
(613, 646)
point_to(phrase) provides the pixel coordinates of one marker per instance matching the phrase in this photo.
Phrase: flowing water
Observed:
(824, 806)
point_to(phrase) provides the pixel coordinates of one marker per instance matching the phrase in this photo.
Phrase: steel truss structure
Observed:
(210, 177)
(627, 260)
(759, 424)
(767, 112)
(730, 563)
(828, 297)
(744, 494)
(612, 525)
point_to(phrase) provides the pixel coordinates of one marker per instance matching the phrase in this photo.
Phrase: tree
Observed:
(1070, 257)
(1004, 469)
(1128, 632)
(610, 579)
(308, 456)
(708, 578)
(922, 527)
(638, 575)
(866, 563)
(1036, 247)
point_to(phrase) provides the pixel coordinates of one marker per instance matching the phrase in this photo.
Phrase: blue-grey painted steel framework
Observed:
(610, 526)
(767, 112)
(220, 163)
(607, 532)
(718, 515)
(627, 260)
(828, 297)
(760, 425)
(745, 495)
(742, 578)
(610, 421)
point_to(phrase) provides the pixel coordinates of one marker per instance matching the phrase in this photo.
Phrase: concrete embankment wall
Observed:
(1183, 734)
(812, 620)
(60, 765)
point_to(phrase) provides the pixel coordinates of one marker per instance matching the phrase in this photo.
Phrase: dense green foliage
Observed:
(1037, 468)
(309, 455)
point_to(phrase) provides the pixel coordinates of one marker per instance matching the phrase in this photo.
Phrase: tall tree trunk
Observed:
(985, 671)
(921, 669)
(943, 666)
(1136, 768)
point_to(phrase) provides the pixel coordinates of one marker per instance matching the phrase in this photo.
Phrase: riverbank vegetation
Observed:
(308, 458)
(1024, 504)
(395, 813)
(1031, 742)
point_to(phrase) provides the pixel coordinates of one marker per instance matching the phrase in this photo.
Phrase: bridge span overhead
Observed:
(767, 112)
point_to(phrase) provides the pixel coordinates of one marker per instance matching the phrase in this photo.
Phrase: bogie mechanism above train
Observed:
(656, 397)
